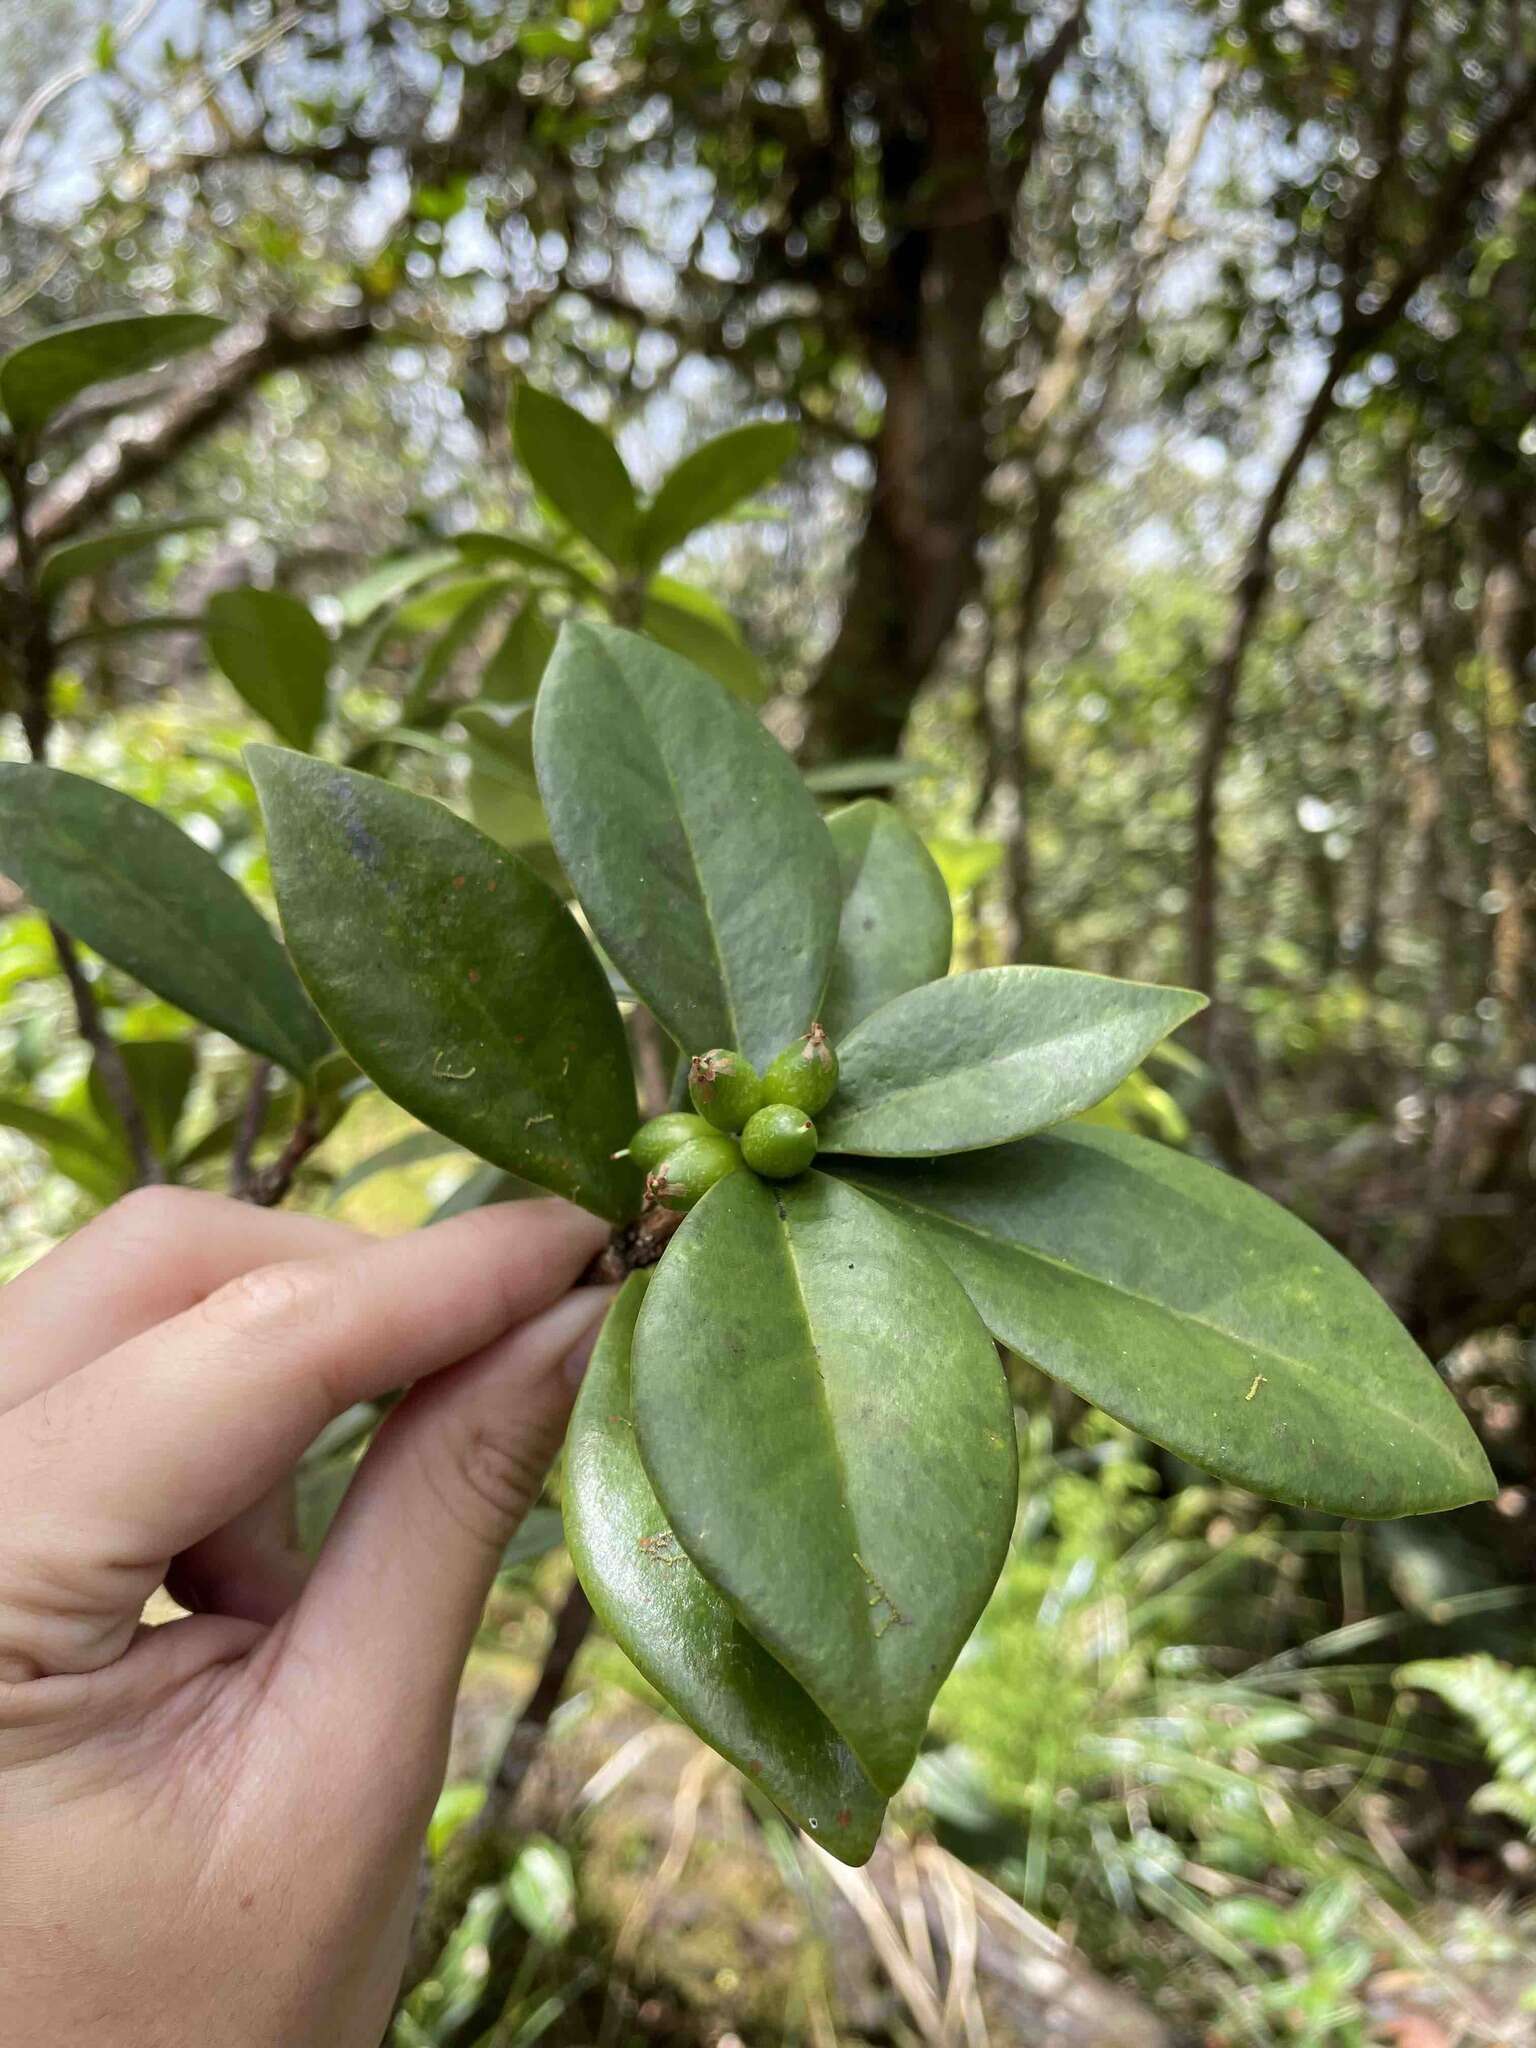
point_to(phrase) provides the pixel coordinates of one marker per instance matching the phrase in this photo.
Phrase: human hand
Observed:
(209, 1830)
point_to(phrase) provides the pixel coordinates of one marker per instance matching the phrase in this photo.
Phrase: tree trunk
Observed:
(1020, 937)
(1506, 637)
(923, 330)
(916, 563)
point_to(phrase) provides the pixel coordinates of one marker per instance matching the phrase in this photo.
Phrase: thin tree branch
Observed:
(241, 1172)
(110, 1065)
(1042, 71)
(272, 1183)
(136, 449)
(1367, 320)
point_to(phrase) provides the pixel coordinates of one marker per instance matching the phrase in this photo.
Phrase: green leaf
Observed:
(712, 643)
(711, 480)
(454, 977)
(80, 558)
(504, 798)
(463, 629)
(480, 547)
(381, 586)
(896, 929)
(81, 1152)
(160, 1072)
(41, 377)
(444, 605)
(516, 669)
(541, 1890)
(828, 1430)
(680, 1633)
(127, 881)
(695, 849)
(575, 465)
(1194, 1309)
(992, 1055)
(276, 654)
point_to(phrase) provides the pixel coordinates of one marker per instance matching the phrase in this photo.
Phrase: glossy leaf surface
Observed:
(707, 483)
(696, 852)
(575, 465)
(454, 977)
(42, 376)
(127, 881)
(680, 1632)
(274, 651)
(828, 1430)
(992, 1055)
(896, 928)
(1197, 1311)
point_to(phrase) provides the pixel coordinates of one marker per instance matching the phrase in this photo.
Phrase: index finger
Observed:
(148, 1257)
(147, 1449)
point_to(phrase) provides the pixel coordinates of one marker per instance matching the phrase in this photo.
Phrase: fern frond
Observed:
(1500, 1702)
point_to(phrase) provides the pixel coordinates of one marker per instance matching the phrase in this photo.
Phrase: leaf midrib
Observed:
(781, 1221)
(941, 1079)
(733, 1018)
(1146, 1301)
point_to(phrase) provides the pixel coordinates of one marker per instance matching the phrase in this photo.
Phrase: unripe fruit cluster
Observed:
(683, 1154)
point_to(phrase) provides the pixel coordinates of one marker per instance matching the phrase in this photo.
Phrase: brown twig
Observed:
(108, 1055)
(636, 1245)
(477, 1854)
(268, 1187)
(252, 1119)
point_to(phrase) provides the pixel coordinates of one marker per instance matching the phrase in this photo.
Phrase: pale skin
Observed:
(210, 1829)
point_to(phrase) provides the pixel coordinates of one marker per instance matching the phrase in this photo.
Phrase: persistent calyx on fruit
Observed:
(779, 1142)
(691, 1169)
(804, 1074)
(724, 1087)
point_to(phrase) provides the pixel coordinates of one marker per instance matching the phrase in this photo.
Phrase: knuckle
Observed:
(150, 1216)
(486, 1480)
(268, 1299)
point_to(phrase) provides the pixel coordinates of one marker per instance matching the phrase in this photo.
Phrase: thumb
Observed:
(381, 1633)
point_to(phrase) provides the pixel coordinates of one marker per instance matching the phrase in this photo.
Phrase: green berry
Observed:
(724, 1087)
(653, 1142)
(779, 1142)
(687, 1175)
(804, 1074)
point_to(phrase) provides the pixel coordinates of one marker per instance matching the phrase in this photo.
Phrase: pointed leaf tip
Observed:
(818, 1406)
(696, 851)
(1197, 1311)
(992, 1055)
(679, 1630)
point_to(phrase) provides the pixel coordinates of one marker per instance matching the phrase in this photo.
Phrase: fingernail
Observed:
(579, 1357)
